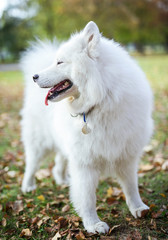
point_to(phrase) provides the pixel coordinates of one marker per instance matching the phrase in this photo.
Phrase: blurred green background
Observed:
(140, 25)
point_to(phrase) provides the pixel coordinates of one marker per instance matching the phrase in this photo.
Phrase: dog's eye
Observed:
(59, 62)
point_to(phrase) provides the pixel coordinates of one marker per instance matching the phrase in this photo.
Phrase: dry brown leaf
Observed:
(3, 222)
(74, 218)
(39, 223)
(30, 205)
(148, 149)
(80, 236)
(34, 220)
(111, 200)
(61, 196)
(43, 173)
(152, 206)
(165, 165)
(66, 208)
(146, 167)
(76, 224)
(57, 236)
(26, 232)
(69, 236)
(117, 191)
(18, 206)
(45, 219)
(158, 160)
(62, 222)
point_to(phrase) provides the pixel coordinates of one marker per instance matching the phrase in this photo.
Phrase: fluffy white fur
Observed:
(109, 84)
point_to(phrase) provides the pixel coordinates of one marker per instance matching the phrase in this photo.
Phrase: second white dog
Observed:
(101, 125)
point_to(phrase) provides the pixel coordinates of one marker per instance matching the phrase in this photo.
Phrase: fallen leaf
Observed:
(76, 224)
(152, 206)
(26, 232)
(163, 195)
(113, 191)
(62, 222)
(80, 236)
(3, 222)
(57, 236)
(41, 198)
(66, 208)
(158, 160)
(165, 165)
(39, 223)
(45, 219)
(11, 174)
(34, 220)
(18, 206)
(111, 200)
(146, 167)
(61, 196)
(43, 173)
(148, 149)
(109, 192)
(30, 205)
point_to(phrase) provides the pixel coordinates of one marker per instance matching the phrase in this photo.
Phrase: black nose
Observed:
(35, 77)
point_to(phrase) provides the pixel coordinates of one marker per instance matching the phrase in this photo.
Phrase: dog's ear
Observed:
(91, 38)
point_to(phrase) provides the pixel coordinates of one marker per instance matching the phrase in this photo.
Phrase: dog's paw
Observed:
(27, 188)
(99, 227)
(140, 212)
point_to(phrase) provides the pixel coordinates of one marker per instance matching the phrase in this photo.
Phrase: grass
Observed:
(49, 199)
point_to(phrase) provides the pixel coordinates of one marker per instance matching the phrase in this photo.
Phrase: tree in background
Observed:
(127, 21)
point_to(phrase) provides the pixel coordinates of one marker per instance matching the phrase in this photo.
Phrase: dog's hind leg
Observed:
(33, 156)
(60, 170)
(127, 177)
(83, 183)
(35, 147)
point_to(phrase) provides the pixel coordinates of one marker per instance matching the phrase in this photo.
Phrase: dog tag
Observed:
(86, 129)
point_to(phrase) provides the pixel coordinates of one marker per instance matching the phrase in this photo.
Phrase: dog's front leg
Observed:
(83, 183)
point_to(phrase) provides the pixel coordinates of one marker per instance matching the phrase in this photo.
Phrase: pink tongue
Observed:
(46, 99)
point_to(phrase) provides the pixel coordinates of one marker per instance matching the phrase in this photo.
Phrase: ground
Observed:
(47, 212)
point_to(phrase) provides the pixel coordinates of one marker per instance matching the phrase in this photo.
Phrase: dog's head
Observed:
(75, 71)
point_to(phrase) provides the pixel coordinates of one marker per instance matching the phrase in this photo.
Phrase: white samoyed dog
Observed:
(98, 118)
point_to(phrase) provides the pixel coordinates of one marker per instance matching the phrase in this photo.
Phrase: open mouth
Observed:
(61, 87)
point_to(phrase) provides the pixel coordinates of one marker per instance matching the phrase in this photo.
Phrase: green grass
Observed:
(153, 184)
(156, 69)
(12, 78)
